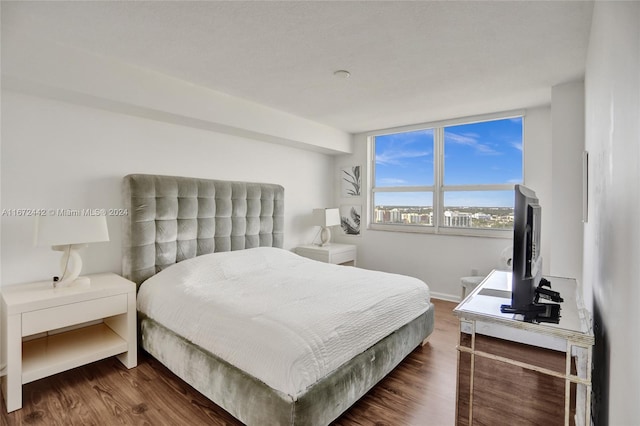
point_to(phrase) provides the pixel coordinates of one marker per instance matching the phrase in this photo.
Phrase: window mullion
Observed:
(481, 187)
(427, 188)
(438, 170)
(371, 155)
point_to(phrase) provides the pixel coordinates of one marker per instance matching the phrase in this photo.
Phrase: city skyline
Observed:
(469, 217)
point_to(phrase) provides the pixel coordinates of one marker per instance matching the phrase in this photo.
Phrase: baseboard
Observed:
(444, 296)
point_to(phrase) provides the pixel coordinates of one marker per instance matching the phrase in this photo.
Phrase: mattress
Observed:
(286, 320)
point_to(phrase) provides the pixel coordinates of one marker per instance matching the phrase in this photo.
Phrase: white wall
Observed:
(567, 121)
(612, 234)
(61, 155)
(75, 123)
(441, 260)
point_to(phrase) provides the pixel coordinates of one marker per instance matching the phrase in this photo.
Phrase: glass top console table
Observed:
(511, 371)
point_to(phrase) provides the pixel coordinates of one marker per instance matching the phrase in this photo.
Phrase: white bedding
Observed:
(284, 319)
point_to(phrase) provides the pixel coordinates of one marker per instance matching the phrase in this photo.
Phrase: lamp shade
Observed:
(326, 217)
(63, 230)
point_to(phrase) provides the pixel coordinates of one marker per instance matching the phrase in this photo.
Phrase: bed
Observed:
(222, 304)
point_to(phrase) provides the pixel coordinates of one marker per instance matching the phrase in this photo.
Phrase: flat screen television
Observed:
(527, 260)
(527, 284)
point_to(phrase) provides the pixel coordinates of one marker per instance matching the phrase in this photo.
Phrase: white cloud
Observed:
(470, 140)
(397, 158)
(392, 181)
(405, 146)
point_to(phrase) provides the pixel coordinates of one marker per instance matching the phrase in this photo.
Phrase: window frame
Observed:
(438, 188)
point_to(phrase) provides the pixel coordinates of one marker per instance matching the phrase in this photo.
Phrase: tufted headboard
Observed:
(176, 218)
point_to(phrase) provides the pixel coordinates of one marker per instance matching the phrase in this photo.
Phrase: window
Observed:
(450, 178)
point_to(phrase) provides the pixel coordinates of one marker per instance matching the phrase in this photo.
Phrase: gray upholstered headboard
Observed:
(176, 218)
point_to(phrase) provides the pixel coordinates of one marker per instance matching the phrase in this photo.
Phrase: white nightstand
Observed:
(49, 315)
(342, 254)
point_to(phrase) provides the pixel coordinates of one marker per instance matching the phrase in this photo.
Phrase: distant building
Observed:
(426, 219)
(482, 216)
(395, 216)
(458, 219)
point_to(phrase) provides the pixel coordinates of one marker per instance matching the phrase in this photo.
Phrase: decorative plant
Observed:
(351, 225)
(353, 179)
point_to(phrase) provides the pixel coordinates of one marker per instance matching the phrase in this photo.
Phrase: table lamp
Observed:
(69, 234)
(326, 218)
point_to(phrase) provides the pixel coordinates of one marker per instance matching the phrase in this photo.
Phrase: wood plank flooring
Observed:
(421, 391)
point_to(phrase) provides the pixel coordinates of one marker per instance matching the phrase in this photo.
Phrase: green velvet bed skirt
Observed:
(254, 403)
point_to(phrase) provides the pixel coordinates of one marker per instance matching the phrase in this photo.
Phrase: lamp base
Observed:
(70, 265)
(80, 282)
(325, 236)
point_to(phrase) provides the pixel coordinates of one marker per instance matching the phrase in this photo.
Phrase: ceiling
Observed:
(410, 62)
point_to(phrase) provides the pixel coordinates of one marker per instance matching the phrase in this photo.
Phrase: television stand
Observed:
(501, 358)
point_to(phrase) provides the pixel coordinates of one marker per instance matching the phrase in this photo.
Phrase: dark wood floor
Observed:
(420, 391)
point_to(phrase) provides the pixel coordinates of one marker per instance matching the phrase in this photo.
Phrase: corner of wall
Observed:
(568, 135)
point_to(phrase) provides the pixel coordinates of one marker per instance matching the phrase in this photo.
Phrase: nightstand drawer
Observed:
(315, 255)
(345, 256)
(75, 313)
(330, 253)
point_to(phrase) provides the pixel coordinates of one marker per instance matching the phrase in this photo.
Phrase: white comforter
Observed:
(284, 319)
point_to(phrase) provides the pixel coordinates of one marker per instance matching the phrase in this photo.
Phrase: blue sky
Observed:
(487, 152)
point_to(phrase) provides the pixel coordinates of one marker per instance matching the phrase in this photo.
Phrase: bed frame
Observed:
(176, 218)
